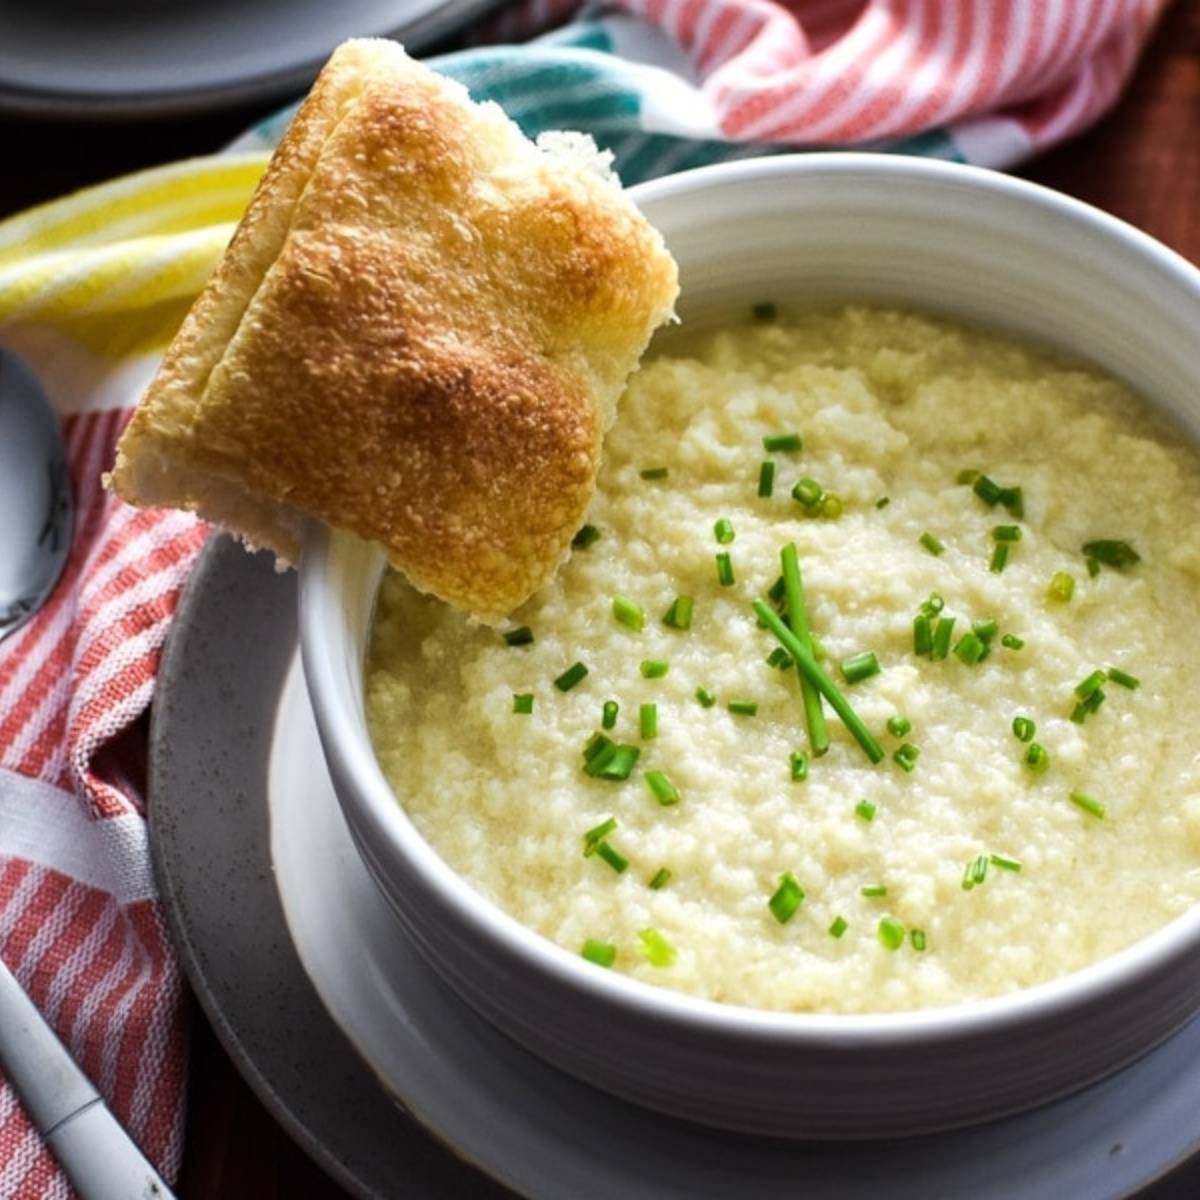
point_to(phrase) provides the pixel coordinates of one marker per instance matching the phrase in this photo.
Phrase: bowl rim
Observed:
(379, 814)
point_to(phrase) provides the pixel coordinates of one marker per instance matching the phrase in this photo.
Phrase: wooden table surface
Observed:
(1141, 163)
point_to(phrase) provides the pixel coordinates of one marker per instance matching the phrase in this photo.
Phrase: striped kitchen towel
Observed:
(91, 287)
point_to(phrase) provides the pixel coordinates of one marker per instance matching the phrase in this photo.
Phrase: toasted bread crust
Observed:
(418, 334)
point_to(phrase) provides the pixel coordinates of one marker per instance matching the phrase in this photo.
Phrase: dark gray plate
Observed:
(210, 737)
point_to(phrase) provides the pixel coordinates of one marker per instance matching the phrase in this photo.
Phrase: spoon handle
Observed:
(96, 1153)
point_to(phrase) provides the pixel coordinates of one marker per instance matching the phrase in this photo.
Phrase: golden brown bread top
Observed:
(418, 333)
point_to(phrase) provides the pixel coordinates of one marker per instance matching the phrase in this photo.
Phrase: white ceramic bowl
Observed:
(917, 233)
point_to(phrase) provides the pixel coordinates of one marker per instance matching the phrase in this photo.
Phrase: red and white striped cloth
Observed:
(79, 922)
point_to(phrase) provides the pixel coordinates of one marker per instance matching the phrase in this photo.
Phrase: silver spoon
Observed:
(36, 511)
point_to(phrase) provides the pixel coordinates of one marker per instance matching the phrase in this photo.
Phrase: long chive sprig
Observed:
(814, 714)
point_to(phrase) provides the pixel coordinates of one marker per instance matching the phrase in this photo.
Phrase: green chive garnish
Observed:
(781, 443)
(1023, 729)
(664, 790)
(999, 558)
(918, 939)
(932, 544)
(608, 717)
(832, 507)
(899, 726)
(1007, 533)
(1084, 801)
(787, 898)
(679, 615)
(798, 763)
(1062, 587)
(653, 668)
(777, 591)
(858, 667)
(766, 479)
(764, 312)
(891, 933)
(656, 948)
(595, 836)
(654, 472)
(1036, 758)
(742, 708)
(941, 638)
(970, 649)
(1003, 862)
(933, 604)
(587, 535)
(922, 634)
(1090, 684)
(706, 698)
(968, 475)
(570, 677)
(839, 926)
(603, 954)
(519, 637)
(873, 889)
(723, 531)
(808, 492)
(984, 630)
(1112, 553)
(987, 490)
(1093, 567)
(661, 878)
(724, 569)
(614, 858)
(865, 809)
(883, 501)
(522, 702)
(598, 745)
(1125, 680)
(906, 757)
(793, 590)
(612, 762)
(975, 873)
(631, 615)
(648, 721)
(778, 658)
(1014, 500)
(1010, 641)
(809, 666)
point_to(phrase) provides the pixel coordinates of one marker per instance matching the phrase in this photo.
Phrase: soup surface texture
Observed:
(892, 409)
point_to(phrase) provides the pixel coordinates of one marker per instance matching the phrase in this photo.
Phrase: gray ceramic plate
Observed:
(138, 58)
(221, 689)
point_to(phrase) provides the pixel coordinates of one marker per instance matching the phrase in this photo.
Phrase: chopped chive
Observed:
(723, 531)
(975, 873)
(970, 649)
(941, 638)
(968, 475)
(858, 667)
(883, 501)
(596, 752)
(1085, 708)
(797, 612)
(1124, 679)
(1003, 862)
(648, 721)
(1062, 587)
(706, 698)
(766, 479)
(798, 765)
(932, 544)
(742, 708)
(839, 926)
(865, 809)
(653, 668)
(522, 702)
(891, 933)
(595, 836)
(1093, 567)
(631, 615)
(779, 443)
(608, 718)
(1084, 801)
(987, 490)
(899, 726)
(832, 507)
(1014, 500)
(656, 948)
(922, 634)
(779, 659)
(808, 492)
(933, 604)
(787, 898)
(618, 763)
(764, 312)
(654, 472)
(570, 677)
(724, 569)
(873, 889)
(906, 757)
(679, 615)
(665, 792)
(918, 939)
(1023, 729)
(1036, 758)
(519, 637)
(603, 954)
(661, 878)
(587, 536)
(1112, 553)
(1007, 533)
(1090, 684)
(984, 630)
(778, 591)
(999, 558)
(808, 665)
(614, 858)
(1010, 641)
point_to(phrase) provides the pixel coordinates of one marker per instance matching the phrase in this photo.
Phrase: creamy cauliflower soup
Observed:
(630, 767)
